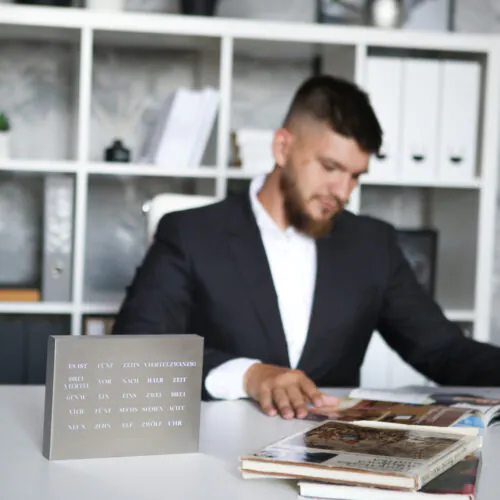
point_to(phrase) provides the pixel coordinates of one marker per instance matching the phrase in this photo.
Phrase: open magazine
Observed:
(484, 411)
(356, 409)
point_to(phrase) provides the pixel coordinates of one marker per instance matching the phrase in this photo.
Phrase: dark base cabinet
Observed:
(23, 346)
(50, 3)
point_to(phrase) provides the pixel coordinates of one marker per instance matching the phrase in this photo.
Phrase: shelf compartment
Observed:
(38, 91)
(454, 214)
(116, 230)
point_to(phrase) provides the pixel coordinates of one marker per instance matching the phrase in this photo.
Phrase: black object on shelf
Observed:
(420, 246)
(198, 7)
(117, 152)
(52, 3)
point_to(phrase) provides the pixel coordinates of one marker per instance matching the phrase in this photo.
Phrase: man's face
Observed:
(319, 170)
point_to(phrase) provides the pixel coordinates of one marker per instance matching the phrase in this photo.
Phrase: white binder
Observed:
(383, 84)
(209, 104)
(420, 126)
(58, 238)
(459, 119)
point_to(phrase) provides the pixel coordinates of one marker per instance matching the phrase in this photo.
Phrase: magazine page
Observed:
(461, 478)
(352, 410)
(488, 407)
(396, 395)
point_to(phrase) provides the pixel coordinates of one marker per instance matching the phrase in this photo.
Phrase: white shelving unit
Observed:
(230, 38)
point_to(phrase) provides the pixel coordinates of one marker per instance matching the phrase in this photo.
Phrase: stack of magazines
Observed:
(378, 450)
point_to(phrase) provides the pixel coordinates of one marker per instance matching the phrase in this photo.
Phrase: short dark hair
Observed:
(340, 104)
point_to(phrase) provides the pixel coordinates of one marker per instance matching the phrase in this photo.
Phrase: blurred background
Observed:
(87, 90)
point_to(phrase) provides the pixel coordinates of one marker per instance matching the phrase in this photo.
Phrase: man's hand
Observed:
(284, 391)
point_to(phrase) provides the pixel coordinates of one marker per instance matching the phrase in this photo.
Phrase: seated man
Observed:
(285, 285)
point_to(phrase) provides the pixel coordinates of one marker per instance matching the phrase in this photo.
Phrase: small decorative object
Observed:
(106, 5)
(384, 13)
(117, 152)
(234, 160)
(419, 246)
(198, 7)
(4, 136)
(51, 3)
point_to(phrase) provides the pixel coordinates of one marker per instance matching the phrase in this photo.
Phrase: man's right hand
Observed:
(284, 391)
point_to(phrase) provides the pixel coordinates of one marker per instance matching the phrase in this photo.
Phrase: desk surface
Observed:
(228, 430)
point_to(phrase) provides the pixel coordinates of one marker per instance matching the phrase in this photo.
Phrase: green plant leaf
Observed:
(4, 123)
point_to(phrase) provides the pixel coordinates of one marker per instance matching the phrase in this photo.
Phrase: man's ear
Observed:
(282, 142)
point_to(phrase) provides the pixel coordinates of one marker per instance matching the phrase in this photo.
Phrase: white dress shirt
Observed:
(292, 260)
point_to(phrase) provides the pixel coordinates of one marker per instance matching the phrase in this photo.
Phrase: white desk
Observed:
(228, 430)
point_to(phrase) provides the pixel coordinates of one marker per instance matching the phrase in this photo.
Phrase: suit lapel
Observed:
(248, 252)
(329, 267)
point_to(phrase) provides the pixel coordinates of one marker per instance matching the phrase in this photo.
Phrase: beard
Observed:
(296, 211)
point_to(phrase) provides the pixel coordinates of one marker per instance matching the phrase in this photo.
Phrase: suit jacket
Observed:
(207, 273)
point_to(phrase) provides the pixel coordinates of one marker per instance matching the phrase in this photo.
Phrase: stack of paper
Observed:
(255, 149)
(183, 128)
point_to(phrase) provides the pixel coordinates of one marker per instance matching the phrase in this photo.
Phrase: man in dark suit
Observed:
(285, 285)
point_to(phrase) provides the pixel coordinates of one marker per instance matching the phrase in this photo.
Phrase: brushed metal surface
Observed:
(118, 396)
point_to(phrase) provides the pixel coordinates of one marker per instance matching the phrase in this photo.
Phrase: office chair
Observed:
(164, 203)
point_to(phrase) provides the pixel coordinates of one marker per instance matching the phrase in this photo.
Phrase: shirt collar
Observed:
(264, 220)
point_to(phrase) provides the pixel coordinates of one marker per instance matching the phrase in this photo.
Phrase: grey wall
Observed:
(37, 89)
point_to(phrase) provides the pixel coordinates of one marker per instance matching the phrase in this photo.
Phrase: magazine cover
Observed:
(484, 410)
